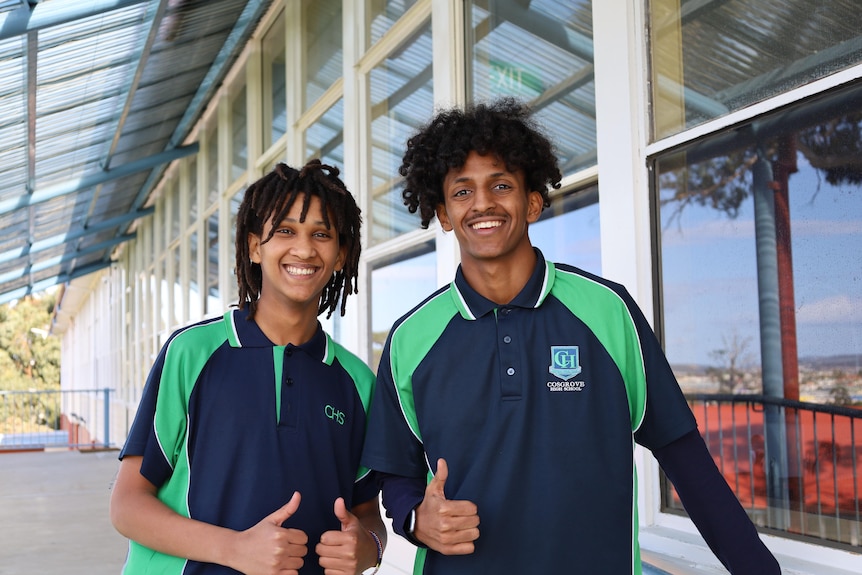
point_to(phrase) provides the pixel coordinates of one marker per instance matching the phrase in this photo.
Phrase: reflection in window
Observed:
(274, 95)
(193, 189)
(384, 13)
(760, 259)
(402, 100)
(325, 138)
(176, 219)
(213, 300)
(239, 137)
(194, 290)
(322, 47)
(540, 52)
(397, 286)
(723, 56)
(212, 166)
(232, 288)
(568, 231)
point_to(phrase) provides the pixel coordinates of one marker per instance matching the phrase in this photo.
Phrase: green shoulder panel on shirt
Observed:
(186, 357)
(410, 343)
(607, 315)
(358, 370)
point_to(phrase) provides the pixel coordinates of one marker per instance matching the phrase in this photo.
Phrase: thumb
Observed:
(346, 517)
(287, 510)
(438, 482)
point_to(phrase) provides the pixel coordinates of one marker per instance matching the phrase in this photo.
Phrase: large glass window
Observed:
(239, 133)
(211, 261)
(397, 285)
(325, 138)
(322, 47)
(274, 83)
(762, 308)
(540, 52)
(568, 231)
(712, 58)
(402, 99)
(384, 13)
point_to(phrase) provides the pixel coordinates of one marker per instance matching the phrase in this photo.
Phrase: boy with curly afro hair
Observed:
(517, 393)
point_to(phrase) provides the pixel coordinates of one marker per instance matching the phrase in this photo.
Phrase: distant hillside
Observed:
(846, 362)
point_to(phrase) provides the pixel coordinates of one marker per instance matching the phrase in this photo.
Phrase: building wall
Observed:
(328, 79)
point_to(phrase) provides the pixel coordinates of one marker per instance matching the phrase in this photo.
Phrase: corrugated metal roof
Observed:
(96, 98)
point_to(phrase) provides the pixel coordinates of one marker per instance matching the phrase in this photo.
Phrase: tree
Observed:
(732, 359)
(29, 356)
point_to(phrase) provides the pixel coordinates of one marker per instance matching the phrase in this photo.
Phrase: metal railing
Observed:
(43, 419)
(794, 466)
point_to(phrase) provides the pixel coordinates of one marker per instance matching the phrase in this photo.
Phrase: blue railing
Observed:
(795, 466)
(45, 419)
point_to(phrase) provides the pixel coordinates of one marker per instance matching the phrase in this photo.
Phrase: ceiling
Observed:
(96, 99)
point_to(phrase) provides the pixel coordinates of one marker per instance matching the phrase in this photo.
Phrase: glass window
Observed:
(232, 290)
(540, 52)
(274, 83)
(762, 308)
(213, 300)
(192, 172)
(322, 47)
(174, 198)
(325, 138)
(402, 100)
(711, 59)
(398, 285)
(239, 131)
(212, 166)
(568, 231)
(384, 13)
(194, 290)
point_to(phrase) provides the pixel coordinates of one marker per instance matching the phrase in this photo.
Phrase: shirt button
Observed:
(289, 381)
(288, 352)
(511, 371)
(507, 339)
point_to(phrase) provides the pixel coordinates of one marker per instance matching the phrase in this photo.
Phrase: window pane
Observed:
(402, 100)
(396, 287)
(384, 14)
(540, 52)
(194, 290)
(325, 138)
(321, 47)
(232, 288)
(274, 95)
(719, 57)
(568, 231)
(239, 138)
(193, 189)
(213, 295)
(760, 259)
(211, 152)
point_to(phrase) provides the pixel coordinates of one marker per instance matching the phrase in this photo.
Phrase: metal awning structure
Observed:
(97, 97)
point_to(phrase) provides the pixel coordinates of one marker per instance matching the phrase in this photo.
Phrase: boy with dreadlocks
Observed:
(244, 454)
(516, 394)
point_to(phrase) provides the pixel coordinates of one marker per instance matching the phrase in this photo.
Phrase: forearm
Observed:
(714, 508)
(400, 496)
(369, 516)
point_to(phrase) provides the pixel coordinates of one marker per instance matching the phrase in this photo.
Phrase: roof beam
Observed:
(97, 178)
(52, 281)
(30, 18)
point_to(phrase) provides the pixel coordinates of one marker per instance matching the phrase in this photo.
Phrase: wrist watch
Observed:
(410, 525)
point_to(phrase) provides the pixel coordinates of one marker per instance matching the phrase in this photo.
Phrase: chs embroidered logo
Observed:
(334, 414)
(565, 361)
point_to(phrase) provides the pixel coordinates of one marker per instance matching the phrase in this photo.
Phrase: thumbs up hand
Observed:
(270, 548)
(447, 526)
(348, 551)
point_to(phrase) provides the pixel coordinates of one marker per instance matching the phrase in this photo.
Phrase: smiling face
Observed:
(297, 261)
(489, 209)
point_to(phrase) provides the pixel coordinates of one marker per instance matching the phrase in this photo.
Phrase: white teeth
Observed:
(486, 225)
(299, 271)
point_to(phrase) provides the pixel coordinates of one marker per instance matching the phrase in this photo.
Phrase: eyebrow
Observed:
(465, 178)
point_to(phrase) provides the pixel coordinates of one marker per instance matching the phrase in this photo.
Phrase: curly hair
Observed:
(270, 199)
(504, 128)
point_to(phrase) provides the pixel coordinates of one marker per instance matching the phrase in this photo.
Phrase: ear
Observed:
(535, 203)
(254, 247)
(444, 218)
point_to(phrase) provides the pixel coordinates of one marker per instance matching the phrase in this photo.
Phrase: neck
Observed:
(283, 327)
(500, 280)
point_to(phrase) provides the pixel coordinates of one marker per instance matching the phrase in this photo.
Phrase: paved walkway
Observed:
(54, 514)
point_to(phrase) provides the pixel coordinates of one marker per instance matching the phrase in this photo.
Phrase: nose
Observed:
(483, 200)
(302, 247)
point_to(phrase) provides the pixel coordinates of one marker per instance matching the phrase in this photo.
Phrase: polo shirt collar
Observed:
(245, 333)
(472, 305)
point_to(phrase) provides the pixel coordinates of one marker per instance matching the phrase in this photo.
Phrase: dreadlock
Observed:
(504, 128)
(270, 199)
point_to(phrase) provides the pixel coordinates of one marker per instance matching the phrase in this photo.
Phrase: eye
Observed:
(284, 231)
(460, 193)
(323, 235)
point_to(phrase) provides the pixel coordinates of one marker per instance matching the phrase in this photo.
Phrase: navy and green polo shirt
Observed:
(230, 425)
(536, 406)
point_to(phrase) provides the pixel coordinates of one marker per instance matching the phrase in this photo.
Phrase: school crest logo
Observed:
(565, 361)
